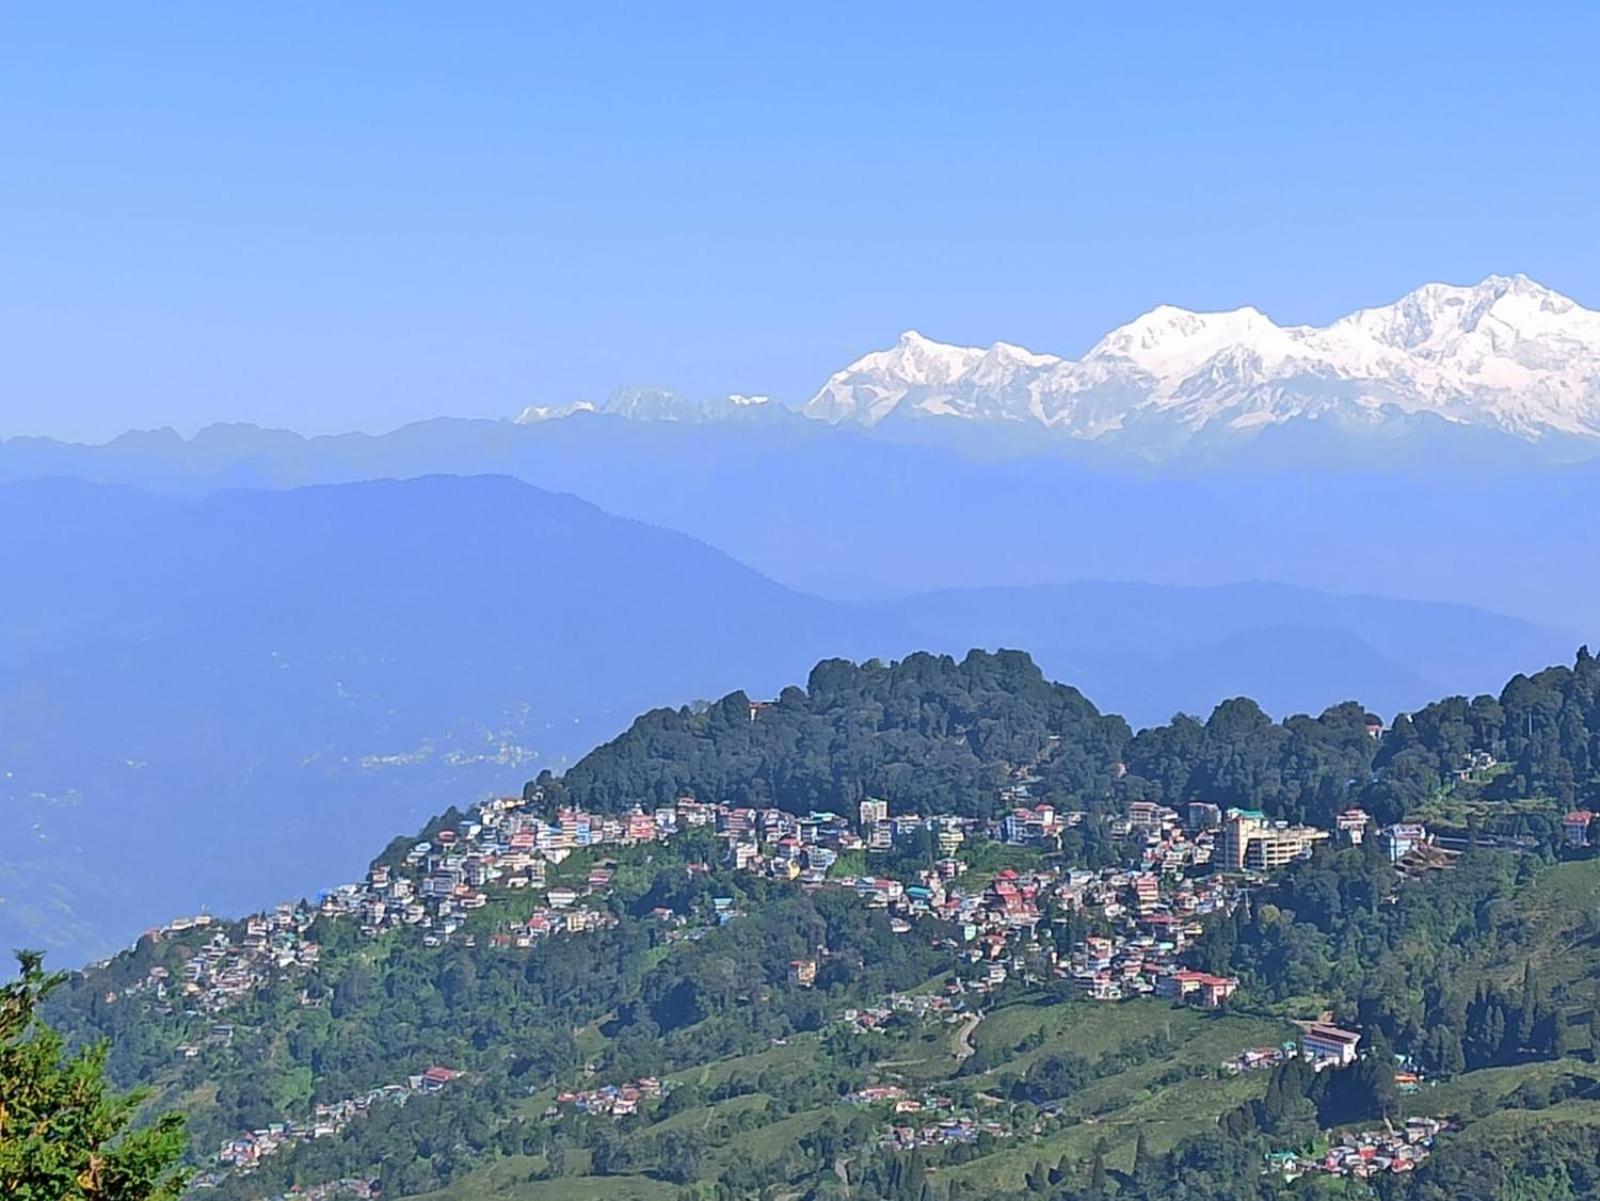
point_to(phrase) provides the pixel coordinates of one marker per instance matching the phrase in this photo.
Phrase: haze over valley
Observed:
(799, 603)
(348, 658)
(248, 621)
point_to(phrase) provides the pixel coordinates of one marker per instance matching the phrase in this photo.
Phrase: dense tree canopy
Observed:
(1343, 929)
(926, 733)
(930, 733)
(64, 1132)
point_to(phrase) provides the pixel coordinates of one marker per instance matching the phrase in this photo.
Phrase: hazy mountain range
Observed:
(202, 701)
(1505, 355)
(1148, 651)
(200, 698)
(234, 660)
(841, 512)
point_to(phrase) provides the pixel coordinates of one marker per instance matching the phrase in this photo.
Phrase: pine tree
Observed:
(916, 1177)
(1485, 1028)
(1496, 1035)
(1449, 1059)
(1036, 1178)
(1097, 1169)
(1143, 1168)
(64, 1135)
(1527, 1014)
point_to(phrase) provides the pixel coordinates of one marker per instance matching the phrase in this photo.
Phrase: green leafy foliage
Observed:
(930, 733)
(1454, 970)
(64, 1132)
(926, 733)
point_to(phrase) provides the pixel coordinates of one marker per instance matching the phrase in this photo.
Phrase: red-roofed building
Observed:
(436, 1078)
(1200, 988)
(1324, 1045)
(1575, 827)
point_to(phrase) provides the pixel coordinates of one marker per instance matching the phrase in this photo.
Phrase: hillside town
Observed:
(611, 1100)
(1365, 1154)
(244, 1153)
(924, 1119)
(1135, 919)
(1107, 934)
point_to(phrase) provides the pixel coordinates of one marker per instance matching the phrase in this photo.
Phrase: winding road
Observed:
(964, 1048)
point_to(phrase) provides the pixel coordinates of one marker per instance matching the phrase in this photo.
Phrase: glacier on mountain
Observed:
(1506, 355)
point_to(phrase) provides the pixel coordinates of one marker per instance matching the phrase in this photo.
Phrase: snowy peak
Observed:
(944, 378)
(1438, 315)
(649, 404)
(917, 361)
(1170, 341)
(1505, 354)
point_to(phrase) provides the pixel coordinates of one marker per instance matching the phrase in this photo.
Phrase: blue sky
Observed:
(343, 216)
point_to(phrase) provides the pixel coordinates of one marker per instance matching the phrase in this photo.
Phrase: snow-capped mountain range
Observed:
(649, 404)
(1505, 355)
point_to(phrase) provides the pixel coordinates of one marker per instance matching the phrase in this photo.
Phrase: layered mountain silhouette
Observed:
(205, 701)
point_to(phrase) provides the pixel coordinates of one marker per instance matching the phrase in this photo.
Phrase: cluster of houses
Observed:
(1143, 914)
(950, 1131)
(507, 843)
(1148, 915)
(1146, 912)
(231, 963)
(612, 1100)
(1321, 1044)
(944, 1127)
(1000, 930)
(943, 1006)
(1367, 1154)
(502, 843)
(1150, 908)
(1258, 1059)
(244, 1152)
(349, 1188)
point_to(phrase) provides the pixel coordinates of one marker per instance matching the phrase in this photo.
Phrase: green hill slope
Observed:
(662, 1015)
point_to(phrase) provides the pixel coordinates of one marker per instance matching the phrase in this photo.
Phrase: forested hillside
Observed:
(910, 1024)
(361, 655)
(926, 733)
(930, 733)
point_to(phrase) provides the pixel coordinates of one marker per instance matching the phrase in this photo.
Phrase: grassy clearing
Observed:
(1538, 1121)
(1558, 891)
(927, 1055)
(1178, 1094)
(1095, 1029)
(795, 1053)
(1484, 1091)
(1560, 933)
(697, 1120)
(1116, 1107)
(772, 1141)
(509, 1180)
(1167, 1115)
